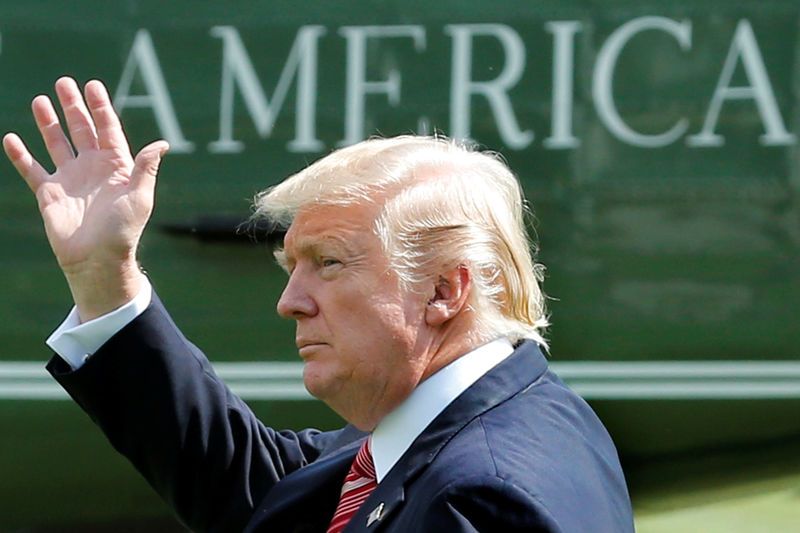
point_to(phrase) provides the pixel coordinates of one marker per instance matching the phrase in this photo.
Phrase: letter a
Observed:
(744, 46)
(143, 59)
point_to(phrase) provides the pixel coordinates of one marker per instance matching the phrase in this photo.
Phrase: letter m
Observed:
(237, 70)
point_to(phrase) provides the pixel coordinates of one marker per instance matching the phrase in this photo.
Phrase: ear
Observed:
(450, 295)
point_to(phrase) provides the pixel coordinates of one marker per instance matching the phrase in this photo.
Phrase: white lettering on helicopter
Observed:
(301, 68)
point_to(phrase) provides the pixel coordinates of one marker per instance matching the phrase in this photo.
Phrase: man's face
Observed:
(362, 337)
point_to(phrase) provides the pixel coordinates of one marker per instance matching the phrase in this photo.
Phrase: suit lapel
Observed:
(378, 509)
(518, 372)
(304, 501)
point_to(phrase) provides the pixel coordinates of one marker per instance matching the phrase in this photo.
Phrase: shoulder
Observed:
(540, 460)
(485, 503)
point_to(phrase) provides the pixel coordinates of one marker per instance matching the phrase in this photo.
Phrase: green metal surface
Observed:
(656, 142)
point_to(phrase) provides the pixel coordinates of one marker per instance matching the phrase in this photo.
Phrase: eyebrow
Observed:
(280, 257)
(309, 246)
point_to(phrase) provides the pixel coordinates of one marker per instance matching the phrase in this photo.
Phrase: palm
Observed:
(89, 208)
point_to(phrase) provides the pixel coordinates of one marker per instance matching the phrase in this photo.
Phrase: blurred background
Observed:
(657, 145)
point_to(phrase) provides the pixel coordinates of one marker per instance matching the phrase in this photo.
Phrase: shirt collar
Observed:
(395, 433)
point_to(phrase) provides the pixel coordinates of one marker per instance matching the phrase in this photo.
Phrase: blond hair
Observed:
(443, 204)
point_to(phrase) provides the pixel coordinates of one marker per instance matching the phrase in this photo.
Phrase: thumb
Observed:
(147, 161)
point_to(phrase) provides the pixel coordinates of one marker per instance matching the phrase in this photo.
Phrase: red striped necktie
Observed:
(358, 485)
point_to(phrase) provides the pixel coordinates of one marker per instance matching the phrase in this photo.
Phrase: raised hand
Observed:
(97, 202)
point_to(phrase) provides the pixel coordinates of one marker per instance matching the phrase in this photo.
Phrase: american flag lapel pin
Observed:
(375, 515)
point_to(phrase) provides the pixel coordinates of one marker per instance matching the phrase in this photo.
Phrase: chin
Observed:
(317, 383)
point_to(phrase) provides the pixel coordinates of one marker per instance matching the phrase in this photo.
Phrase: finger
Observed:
(109, 129)
(79, 123)
(23, 161)
(147, 161)
(58, 146)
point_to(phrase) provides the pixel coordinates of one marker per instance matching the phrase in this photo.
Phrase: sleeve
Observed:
(160, 404)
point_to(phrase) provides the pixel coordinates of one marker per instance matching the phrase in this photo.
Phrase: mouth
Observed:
(305, 347)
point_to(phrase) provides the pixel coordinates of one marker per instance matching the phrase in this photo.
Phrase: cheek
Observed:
(369, 317)
(399, 325)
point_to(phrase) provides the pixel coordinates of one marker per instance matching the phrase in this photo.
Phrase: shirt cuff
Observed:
(75, 342)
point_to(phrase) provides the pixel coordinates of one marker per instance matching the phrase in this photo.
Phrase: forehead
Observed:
(319, 224)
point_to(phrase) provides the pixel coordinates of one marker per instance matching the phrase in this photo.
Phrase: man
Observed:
(419, 318)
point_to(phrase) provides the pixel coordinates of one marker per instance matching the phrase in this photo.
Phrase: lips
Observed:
(305, 346)
(303, 342)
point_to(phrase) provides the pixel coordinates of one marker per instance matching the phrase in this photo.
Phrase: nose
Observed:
(296, 301)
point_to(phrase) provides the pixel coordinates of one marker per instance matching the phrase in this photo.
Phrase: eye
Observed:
(329, 262)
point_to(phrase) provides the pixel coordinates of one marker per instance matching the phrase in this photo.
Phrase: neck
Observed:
(452, 340)
(440, 347)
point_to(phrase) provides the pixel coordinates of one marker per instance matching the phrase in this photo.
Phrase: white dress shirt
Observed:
(401, 427)
(75, 343)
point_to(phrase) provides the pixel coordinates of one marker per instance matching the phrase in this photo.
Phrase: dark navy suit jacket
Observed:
(517, 451)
